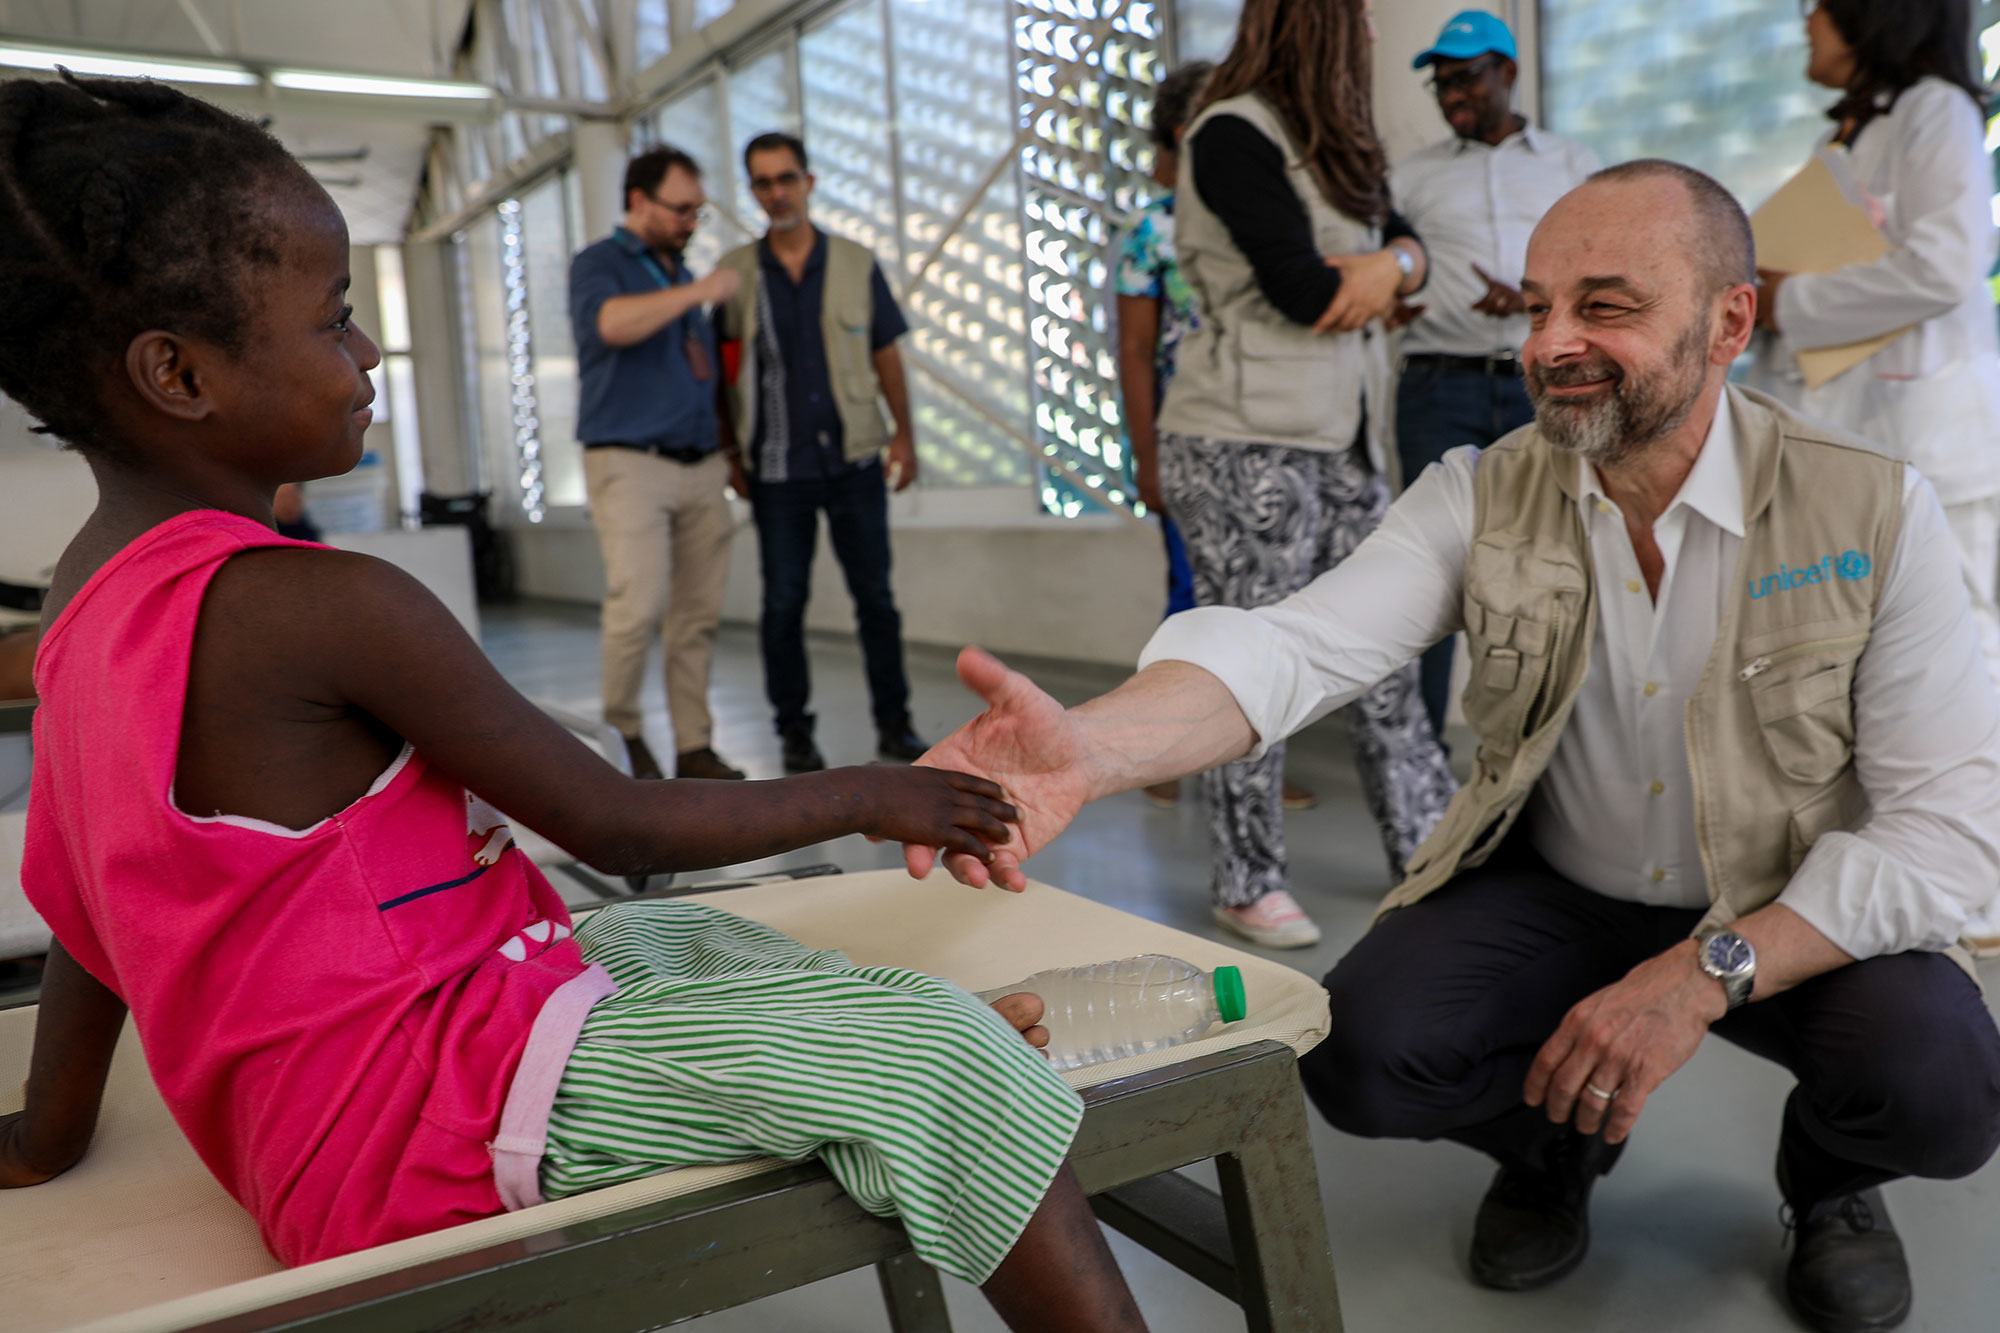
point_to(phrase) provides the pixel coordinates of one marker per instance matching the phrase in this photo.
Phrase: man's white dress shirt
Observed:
(1474, 203)
(1614, 810)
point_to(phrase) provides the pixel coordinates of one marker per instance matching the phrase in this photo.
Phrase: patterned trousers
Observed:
(1261, 521)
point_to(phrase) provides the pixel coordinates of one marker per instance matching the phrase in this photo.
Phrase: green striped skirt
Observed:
(729, 1040)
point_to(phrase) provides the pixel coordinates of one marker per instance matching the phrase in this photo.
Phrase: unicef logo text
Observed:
(1847, 567)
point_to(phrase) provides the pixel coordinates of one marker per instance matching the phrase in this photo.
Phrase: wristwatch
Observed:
(1405, 261)
(1731, 960)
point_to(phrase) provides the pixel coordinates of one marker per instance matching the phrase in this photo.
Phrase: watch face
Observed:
(1728, 953)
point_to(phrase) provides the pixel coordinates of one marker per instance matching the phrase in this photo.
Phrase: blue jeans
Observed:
(857, 516)
(1180, 574)
(1438, 408)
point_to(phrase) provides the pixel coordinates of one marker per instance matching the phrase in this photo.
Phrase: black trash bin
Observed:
(492, 553)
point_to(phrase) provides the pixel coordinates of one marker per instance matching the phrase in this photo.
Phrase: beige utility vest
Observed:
(845, 318)
(1770, 729)
(1247, 372)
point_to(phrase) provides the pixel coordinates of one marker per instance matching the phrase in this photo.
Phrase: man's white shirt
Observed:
(1614, 810)
(1474, 203)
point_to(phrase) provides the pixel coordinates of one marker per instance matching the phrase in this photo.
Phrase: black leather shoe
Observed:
(801, 755)
(1848, 1273)
(705, 763)
(900, 744)
(1533, 1225)
(641, 758)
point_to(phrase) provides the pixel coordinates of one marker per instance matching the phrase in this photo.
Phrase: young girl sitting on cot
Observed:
(266, 785)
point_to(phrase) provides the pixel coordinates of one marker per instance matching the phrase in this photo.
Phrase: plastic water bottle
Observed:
(1109, 1011)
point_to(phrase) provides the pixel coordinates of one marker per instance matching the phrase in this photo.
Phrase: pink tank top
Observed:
(335, 1016)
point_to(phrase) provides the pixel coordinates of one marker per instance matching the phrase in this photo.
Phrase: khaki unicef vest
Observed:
(845, 318)
(1770, 729)
(1247, 372)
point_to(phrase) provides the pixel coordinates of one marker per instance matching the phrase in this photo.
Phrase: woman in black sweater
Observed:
(1273, 432)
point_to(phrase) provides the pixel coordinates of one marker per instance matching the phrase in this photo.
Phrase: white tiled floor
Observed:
(1686, 1232)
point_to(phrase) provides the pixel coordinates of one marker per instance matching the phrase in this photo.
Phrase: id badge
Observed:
(699, 363)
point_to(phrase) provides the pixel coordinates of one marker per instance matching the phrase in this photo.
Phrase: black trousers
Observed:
(1441, 1008)
(856, 504)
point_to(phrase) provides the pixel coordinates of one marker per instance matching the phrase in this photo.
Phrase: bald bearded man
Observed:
(1739, 768)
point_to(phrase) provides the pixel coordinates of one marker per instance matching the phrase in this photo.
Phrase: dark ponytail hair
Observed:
(1898, 42)
(125, 205)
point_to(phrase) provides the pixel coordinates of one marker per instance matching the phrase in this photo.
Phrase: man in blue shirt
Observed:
(653, 461)
(814, 327)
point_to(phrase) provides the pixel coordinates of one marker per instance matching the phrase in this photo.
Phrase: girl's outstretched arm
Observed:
(76, 1030)
(350, 631)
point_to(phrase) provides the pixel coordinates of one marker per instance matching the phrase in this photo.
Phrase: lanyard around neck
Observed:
(689, 322)
(657, 269)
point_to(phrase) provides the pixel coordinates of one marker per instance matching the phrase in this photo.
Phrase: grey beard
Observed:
(1634, 414)
(1598, 431)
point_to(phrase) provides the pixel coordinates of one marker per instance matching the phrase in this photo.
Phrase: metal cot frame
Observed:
(1260, 1240)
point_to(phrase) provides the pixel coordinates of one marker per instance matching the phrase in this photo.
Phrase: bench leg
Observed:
(1277, 1224)
(915, 1297)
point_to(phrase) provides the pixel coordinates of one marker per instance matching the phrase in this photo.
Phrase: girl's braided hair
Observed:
(125, 205)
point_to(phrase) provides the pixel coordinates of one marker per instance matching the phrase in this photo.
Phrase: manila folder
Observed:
(1810, 226)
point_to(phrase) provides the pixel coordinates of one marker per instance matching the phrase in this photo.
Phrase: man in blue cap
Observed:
(1474, 198)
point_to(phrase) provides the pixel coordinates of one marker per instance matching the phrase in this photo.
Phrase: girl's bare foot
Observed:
(1023, 1009)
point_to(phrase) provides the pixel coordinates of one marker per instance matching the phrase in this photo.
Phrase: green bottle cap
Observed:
(1229, 994)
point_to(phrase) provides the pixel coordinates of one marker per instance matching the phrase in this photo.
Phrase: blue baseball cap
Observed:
(1470, 33)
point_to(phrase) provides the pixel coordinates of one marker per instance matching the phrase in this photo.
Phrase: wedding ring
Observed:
(1596, 1091)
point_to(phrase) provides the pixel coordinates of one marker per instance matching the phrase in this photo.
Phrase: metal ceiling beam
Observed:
(551, 154)
(747, 26)
(201, 28)
(265, 97)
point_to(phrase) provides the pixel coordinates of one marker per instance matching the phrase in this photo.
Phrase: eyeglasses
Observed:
(1460, 80)
(685, 212)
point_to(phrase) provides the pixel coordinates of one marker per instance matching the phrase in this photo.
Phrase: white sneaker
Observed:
(1275, 921)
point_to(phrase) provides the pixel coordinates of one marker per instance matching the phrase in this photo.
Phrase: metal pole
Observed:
(889, 108)
(1007, 158)
(942, 380)
(201, 28)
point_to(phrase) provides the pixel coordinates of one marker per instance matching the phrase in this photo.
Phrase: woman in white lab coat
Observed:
(1912, 123)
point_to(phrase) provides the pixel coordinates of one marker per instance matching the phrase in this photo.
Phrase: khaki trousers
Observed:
(664, 528)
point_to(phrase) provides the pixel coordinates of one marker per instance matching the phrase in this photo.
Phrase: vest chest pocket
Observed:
(1509, 670)
(849, 353)
(1518, 597)
(850, 361)
(1807, 717)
